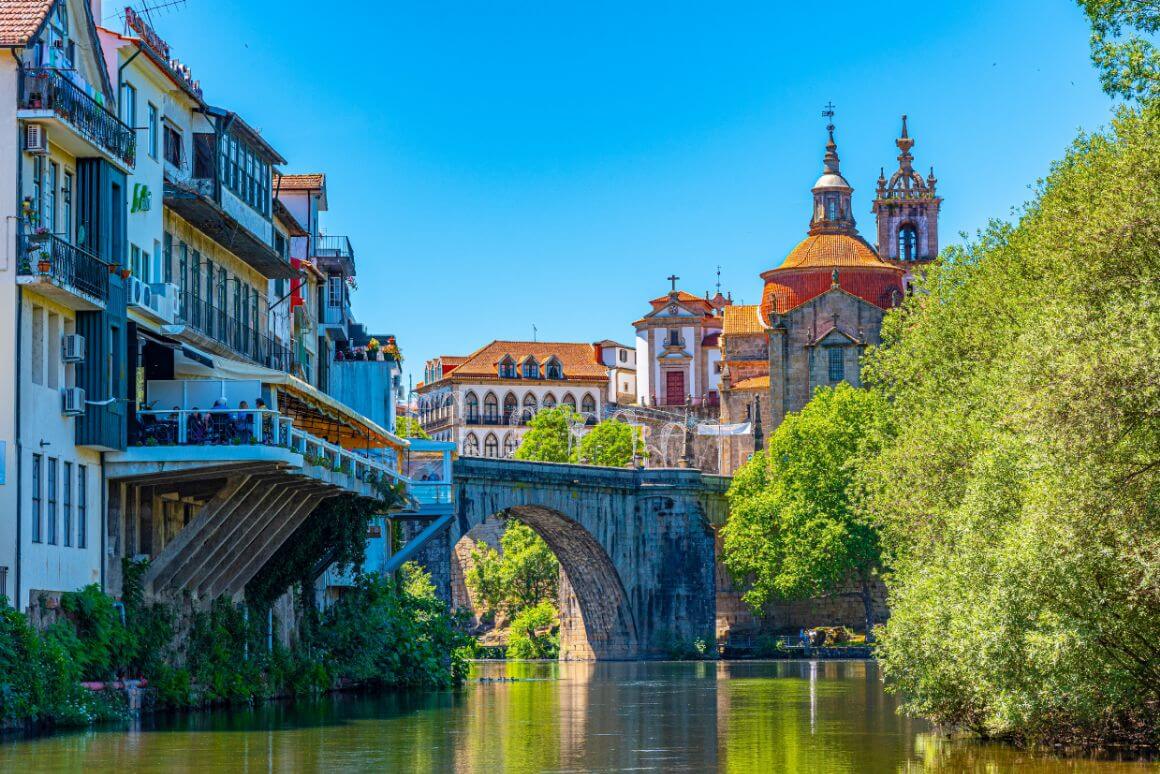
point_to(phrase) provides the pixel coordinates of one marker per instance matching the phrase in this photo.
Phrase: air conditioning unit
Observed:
(36, 139)
(139, 294)
(74, 401)
(163, 301)
(73, 348)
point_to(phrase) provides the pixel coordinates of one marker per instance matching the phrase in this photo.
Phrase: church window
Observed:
(491, 446)
(831, 207)
(907, 243)
(837, 364)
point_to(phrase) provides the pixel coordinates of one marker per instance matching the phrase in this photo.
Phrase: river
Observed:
(788, 716)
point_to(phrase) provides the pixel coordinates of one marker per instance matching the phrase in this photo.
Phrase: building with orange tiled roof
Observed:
(823, 306)
(483, 401)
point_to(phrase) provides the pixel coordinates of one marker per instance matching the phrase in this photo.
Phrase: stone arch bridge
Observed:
(636, 546)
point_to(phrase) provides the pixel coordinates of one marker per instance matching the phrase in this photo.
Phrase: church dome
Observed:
(832, 180)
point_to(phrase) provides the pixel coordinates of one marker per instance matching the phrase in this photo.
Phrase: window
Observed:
(157, 269)
(52, 370)
(37, 462)
(490, 408)
(491, 446)
(37, 345)
(66, 208)
(531, 369)
(174, 147)
(507, 368)
(549, 401)
(38, 186)
(472, 408)
(509, 445)
(529, 411)
(554, 370)
(129, 105)
(837, 364)
(623, 355)
(82, 506)
(135, 262)
(244, 173)
(471, 446)
(831, 207)
(50, 200)
(183, 270)
(334, 291)
(907, 243)
(674, 337)
(509, 408)
(570, 401)
(51, 511)
(588, 405)
(152, 116)
(66, 504)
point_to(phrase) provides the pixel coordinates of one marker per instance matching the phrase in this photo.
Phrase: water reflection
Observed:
(740, 717)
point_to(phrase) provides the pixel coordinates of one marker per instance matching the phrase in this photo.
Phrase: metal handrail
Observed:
(46, 88)
(250, 342)
(70, 265)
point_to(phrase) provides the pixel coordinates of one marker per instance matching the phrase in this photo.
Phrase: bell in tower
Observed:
(906, 208)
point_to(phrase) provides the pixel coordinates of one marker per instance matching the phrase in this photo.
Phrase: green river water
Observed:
(794, 716)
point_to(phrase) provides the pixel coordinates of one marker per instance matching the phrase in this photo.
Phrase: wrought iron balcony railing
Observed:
(45, 88)
(332, 247)
(238, 335)
(66, 264)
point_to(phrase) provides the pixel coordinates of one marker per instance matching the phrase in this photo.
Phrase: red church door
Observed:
(674, 388)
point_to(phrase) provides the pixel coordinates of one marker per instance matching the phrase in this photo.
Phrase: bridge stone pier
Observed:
(636, 546)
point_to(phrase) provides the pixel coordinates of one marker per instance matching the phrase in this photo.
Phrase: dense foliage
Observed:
(1020, 496)
(1129, 63)
(535, 632)
(794, 530)
(610, 443)
(547, 438)
(409, 427)
(523, 574)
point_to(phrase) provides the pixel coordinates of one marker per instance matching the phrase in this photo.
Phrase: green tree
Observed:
(547, 437)
(1129, 63)
(409, 427)
(523, 574)
(610, 443)
(535, 632)
(1020, 495)
(794, 530)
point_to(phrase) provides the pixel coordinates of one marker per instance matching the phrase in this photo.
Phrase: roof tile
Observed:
(20, 20)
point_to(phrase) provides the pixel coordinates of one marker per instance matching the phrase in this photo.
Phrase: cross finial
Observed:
(718, 279)
(829, 113)
(673, 279)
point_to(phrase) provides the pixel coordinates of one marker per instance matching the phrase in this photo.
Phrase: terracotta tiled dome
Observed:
(808, 272)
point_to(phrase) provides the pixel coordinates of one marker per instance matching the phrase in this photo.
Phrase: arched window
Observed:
(549, 401)
(509, 445)
(471, 406)
(588, 405)
(490, 408)
(570, 400)
(510, 404)
(831, 206)
(507, 367)
(491, 446)
(553, 369)
(471, 446)
(529, 409)
(531, 369)
(907, 242)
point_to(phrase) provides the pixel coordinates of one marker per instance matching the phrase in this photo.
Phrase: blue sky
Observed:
(499, 165)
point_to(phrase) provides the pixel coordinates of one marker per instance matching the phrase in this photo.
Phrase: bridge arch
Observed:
(636, 547)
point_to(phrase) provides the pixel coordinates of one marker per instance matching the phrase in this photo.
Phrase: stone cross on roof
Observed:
(673, 279)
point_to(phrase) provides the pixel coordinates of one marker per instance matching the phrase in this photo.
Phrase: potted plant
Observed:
(44, 262)
(112, 267)
(39, 234)
(125, 273)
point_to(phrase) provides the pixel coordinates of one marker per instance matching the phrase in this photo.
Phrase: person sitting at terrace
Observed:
(221, 426)
(265, 421)
(197, 428)
(244, 422)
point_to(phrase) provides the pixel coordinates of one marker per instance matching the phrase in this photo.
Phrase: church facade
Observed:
(824, 305)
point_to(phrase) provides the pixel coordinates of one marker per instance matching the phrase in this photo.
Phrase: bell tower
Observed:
(906, 208)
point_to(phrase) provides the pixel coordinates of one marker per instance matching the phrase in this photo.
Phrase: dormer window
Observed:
(553, 369)
(507, 368)
(531, 369)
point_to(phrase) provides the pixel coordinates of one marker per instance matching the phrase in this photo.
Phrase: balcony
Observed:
(69, 274)
(333, 253)
(212, 327)
(49, 96)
